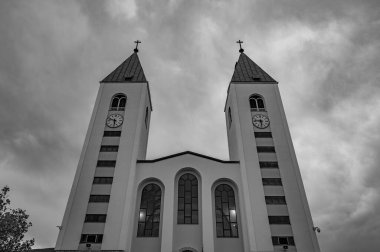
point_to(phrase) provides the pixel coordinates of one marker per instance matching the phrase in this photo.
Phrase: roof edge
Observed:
(187, 152)
(254, 82)
(103, 81)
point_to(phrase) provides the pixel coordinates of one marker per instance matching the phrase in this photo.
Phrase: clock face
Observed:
(114, 120)
(260, 121)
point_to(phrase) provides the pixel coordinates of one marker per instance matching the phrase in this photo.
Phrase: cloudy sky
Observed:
(324, 53)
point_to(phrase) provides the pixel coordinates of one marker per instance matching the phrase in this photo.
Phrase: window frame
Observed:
(109, 148)
(278, 240)
(140, 209)
(272, 181)
(229, 117)
(275, 200)
(146, 117)
(112, 133)
(266, 149)
(95, 218)
(99, 198)
(268, 164)
(106, 163)
(119, 97)
(103, 180)
(255, 98)
(194, 207)
(226, 218)
(279, 219)
(263, 134)
(97, 239)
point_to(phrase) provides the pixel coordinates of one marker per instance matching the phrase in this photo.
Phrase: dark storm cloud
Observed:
(325, 54)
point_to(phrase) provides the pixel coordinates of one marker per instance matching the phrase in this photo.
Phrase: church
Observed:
(188, 202)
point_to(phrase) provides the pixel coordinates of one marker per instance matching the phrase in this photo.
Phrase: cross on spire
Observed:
(240, 42)
(137, 44)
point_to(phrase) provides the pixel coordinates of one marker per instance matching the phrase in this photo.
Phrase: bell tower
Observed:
(276, 214)
(101, 202)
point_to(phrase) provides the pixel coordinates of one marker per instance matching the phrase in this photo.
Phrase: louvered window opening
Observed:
(263, 134)
(106, 163)
(109, 148)
(109, 133)
(275, 200)
(265, 149)
(91, 238)
(272, 181)
(95, 218)
(279, 219)
(268, 164)
(99, 198)
(103, 180)
(283, 240)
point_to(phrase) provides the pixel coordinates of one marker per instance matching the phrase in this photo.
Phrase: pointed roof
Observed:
(129, 71)
(248, 71)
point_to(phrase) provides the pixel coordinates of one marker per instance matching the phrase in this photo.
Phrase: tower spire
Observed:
(129, 71)
(248, 71)
(137, 44)
(240, 42)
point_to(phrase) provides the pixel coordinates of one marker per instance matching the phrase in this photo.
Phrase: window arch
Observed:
(256, 102)
(118, 102)
(225, 211)
(187, 199)
(150, 210)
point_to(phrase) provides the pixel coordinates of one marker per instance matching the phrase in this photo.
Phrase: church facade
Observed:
(188, 202)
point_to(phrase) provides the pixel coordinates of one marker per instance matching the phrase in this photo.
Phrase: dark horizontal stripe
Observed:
(265, 149)
(268, 164)
(263, 134)
(109, 133)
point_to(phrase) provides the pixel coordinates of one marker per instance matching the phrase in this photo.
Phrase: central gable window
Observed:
(187, 199)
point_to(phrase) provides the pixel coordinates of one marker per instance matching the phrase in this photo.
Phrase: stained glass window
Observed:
(225, 212)
(187, 199)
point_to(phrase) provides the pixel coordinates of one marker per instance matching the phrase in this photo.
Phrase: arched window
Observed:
(187, 199)
(118, 102)
(149, 214)
(225, 212)
(256, 102)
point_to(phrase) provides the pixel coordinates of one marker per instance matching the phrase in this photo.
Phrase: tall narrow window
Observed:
(146, 117)
(256, 102)
(229, 117)
(118, 102)
(149, 214)
(225, 212)
(187, 199)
